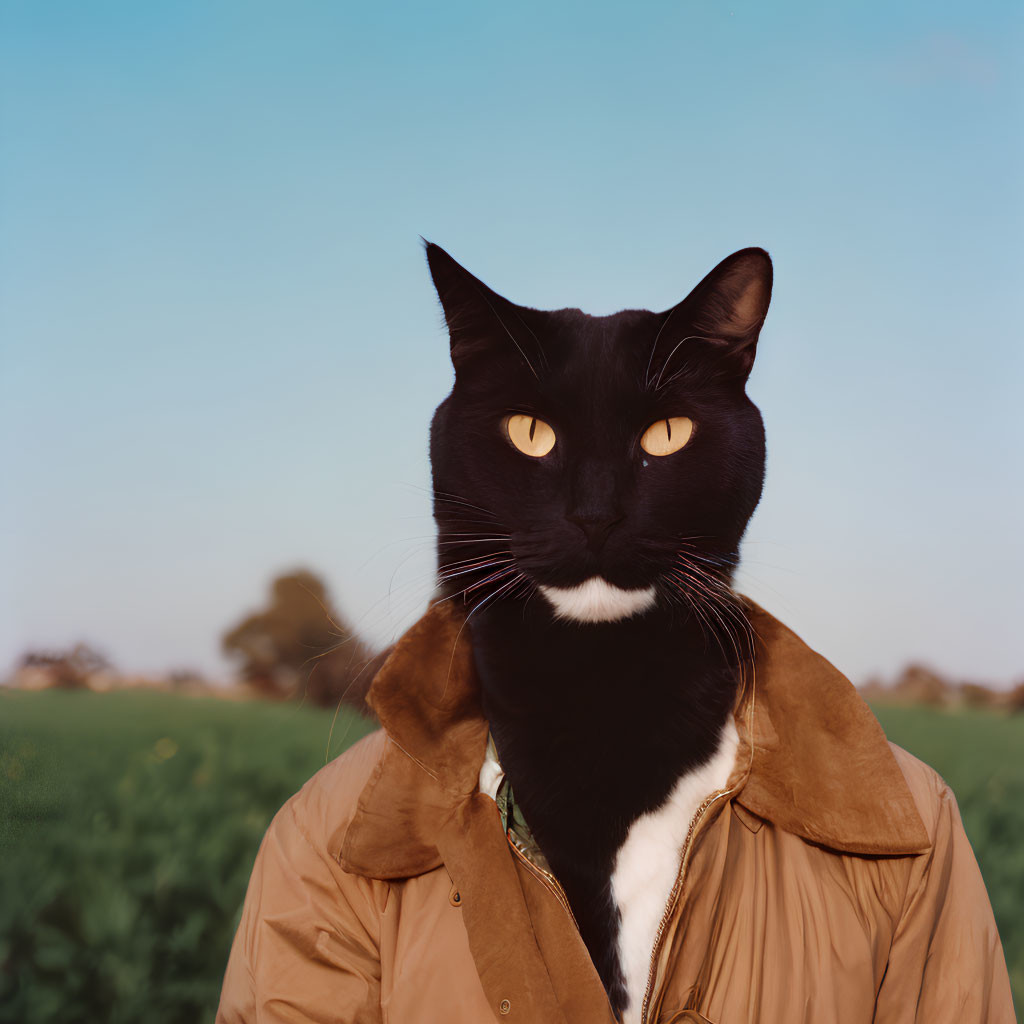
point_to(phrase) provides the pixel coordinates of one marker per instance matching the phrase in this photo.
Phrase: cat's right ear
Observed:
(480, 322)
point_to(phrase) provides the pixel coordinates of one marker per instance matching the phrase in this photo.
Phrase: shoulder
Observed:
(932, 795)
(325, 806)
(946, 948)
(309, 934)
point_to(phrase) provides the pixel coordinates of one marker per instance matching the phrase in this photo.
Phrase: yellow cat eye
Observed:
(663, 437)
(530, 435)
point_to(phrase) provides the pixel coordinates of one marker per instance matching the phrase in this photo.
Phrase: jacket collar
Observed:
(812, 759)
(819, 763)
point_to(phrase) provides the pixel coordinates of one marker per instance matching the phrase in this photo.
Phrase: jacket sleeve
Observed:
(306, 950)
(946, 963)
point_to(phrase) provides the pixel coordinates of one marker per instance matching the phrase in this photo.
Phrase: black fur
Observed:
(594, 723)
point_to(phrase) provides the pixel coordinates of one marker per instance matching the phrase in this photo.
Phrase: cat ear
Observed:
(480, 322)
(719, 321)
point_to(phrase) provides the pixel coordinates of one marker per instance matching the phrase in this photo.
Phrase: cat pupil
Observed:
(533, 427)
(668, 428)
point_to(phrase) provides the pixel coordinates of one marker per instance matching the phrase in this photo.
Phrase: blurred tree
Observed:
(975, 695)
(300, 646)
(1015, 700)
(919, 684)
(186, 679)
(72, 669)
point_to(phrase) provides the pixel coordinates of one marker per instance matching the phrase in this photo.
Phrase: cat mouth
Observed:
(597, 600)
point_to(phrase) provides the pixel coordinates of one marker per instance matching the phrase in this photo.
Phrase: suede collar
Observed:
(812, 759)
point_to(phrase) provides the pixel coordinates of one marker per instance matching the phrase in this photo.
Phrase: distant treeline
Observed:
(300, 646)
(918, 684)
(297, 646)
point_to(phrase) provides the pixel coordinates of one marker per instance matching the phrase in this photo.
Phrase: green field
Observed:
(129, 822)
(128, 827)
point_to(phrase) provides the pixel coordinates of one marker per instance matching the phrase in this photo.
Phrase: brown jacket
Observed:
(831, 882)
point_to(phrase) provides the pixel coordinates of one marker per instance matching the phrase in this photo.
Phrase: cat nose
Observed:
(595, 528)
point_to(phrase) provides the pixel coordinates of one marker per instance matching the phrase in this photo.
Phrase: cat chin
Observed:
(597, 600)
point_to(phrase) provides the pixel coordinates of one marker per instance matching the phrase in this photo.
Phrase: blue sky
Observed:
(219, 348)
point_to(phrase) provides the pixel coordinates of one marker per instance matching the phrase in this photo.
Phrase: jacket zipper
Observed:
(546, 877)
(673, 898)
(556, 888)
(674, 894)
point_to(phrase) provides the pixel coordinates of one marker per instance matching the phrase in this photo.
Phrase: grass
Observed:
(128, 830)
(129, 822)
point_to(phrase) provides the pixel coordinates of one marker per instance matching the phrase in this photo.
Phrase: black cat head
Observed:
(613, 462)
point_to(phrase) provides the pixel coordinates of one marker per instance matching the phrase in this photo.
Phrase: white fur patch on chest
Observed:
(647, 864)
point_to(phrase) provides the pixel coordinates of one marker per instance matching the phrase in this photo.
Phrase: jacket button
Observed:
(505, 1006)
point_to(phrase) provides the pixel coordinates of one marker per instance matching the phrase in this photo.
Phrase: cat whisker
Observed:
(487, 530)
(493, 578)
(512, 337)
(519, 577)
(462, 503)
(540, 348)
(417, 540)
(455, 510)
(502, 590)
(470, 538)
(654, 347)
(483, 566)
(715, 609)
(445, 534)
(473, 559)
(688, 593)
(668, 359)
(715, 600)
(447, 496)
(735, 622)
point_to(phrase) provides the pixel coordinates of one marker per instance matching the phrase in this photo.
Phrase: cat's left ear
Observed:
(720, 320)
